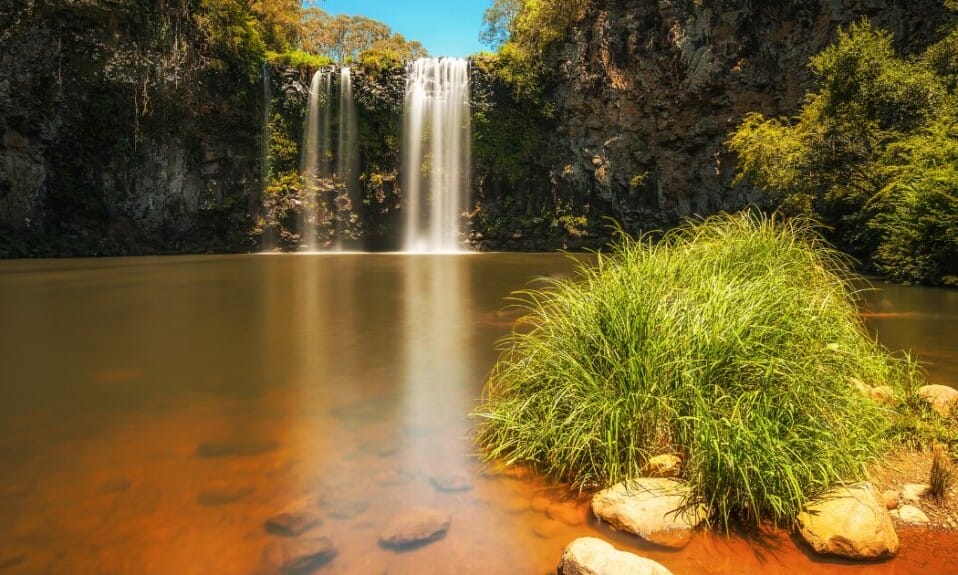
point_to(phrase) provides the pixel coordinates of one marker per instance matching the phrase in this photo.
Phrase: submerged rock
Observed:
(591, 556)
(546, 528)
(235, 448)
(223, 493)
(297, 557)
(569, 513)
(415, 526)
(941, 398)
(849, 522)
(451, 483)
(292, 523)
(654, 508)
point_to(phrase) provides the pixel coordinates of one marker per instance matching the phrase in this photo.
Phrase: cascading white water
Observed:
(269, 240)
(437, 153)
(315, 155)
(347, 126)
(346, 157)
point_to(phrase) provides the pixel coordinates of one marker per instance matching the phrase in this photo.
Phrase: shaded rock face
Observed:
(109, 140)
(849, 522)
(647, 92)
(591, 556)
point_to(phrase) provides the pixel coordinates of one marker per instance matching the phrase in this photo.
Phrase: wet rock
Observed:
(941, 398)
(666, 465)
(297, 557)
(654, 508)
(451, 483)
(569, 513)
(235, 448)
(292, 523)
(392, 478)
(223, 493)
(891, 499)
(849, 522)
(911, 514)
(414, 527)
(515, 504)
(381, 448)
(11, 558)
(913, 492)
(591, 556)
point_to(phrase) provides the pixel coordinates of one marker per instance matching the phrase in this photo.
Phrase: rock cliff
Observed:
(117, 135)
(647, 91)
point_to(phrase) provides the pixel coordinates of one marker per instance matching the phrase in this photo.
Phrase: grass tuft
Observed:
(942, 475)
(733, 341)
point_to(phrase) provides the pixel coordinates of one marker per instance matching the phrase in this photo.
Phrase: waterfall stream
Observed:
(436, 154)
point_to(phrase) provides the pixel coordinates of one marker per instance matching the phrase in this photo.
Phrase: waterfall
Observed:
(346, 159)
(269, 241)
(315, 157)
(437, 153)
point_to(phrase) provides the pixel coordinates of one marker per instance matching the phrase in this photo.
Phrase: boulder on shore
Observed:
(591, 556)
(849, 522)
(941, 398)
(657, 509)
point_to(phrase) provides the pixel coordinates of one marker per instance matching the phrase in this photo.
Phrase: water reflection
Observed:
(155, 412)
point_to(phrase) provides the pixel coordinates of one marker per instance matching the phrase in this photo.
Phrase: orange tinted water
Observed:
(154, 412)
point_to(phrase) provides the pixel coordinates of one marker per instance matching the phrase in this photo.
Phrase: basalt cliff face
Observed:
(123, 132)
(647, 92)
(119, 135)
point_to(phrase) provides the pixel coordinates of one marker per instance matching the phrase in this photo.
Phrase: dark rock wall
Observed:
(647, 91)
(115, 137)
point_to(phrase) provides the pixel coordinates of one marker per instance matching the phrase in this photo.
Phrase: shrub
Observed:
(731, 341)
(299, 59)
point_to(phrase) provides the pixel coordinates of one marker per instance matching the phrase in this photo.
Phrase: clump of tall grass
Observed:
(942, 474)
(731, 341)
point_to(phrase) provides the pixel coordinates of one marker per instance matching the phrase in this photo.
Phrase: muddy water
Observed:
(154, 412)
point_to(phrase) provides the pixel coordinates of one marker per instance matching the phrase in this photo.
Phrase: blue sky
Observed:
(445, 27)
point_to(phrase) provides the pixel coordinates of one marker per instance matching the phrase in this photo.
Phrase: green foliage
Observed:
(278, 21)
(917, 211)
(858, 154)
(379, 61)
(344, 38)
(731, 341)
(299, 59)
(233, 44)
(523, 30)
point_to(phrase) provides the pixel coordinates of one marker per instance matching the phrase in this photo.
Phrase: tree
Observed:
(344, 37)
(871, 154)
(279, 22)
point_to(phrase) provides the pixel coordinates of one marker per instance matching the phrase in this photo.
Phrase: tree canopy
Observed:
(873, 153)
(344, 38)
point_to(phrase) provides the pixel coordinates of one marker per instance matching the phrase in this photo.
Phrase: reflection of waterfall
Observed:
(314, 157)
(436, 153)
(438, 373)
